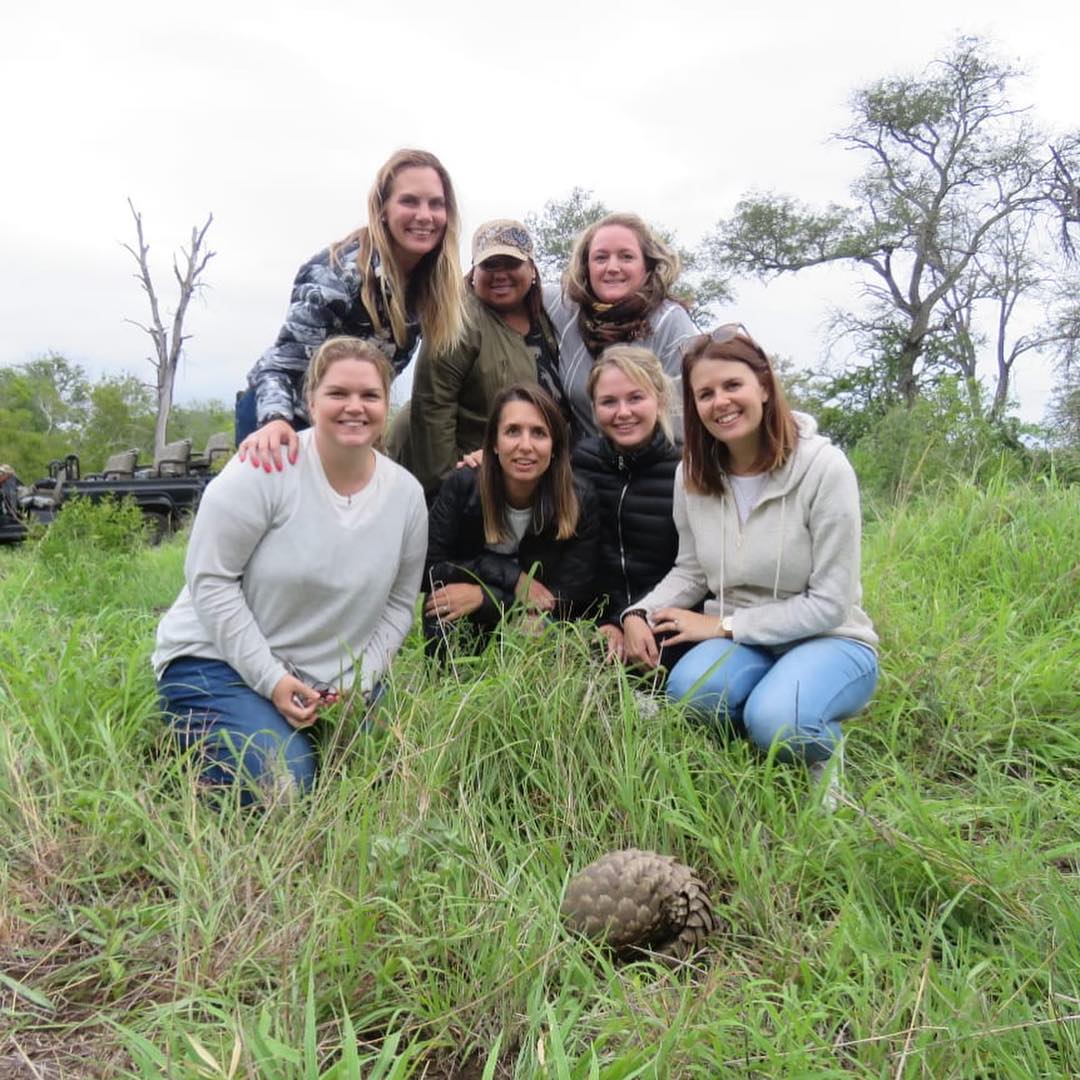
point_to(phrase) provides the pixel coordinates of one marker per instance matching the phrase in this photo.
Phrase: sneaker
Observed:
(825, 776)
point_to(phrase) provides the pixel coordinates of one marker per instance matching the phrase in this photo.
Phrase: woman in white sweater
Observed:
(767, 512)
(300, 584)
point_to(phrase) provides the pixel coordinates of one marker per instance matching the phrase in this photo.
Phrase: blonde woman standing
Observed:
(389, 281)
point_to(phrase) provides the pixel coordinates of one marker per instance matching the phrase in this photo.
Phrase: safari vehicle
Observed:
(167, 492)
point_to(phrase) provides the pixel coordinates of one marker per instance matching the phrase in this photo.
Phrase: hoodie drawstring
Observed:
(779, 549)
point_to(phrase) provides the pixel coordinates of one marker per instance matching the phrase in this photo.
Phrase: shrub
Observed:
(109, 527)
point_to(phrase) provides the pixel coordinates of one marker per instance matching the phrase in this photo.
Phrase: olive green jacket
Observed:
(452, 394)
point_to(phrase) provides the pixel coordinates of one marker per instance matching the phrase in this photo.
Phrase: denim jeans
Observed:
(245, 420)
(796, 697)
(238, 734)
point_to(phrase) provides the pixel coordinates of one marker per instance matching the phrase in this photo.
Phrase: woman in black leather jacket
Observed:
(631, 464)
(520, 527)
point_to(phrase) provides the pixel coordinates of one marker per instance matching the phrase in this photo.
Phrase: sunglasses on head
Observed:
(729, 332)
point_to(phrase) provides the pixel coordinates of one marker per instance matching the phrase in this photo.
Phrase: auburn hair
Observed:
(706, 460)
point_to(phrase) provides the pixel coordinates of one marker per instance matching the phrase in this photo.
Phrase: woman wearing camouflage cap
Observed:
(508, 339)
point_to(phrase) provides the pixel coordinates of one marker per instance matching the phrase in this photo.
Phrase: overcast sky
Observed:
(276, 116)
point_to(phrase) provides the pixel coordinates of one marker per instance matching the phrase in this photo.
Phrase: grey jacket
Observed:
(671, 328)
(792, 571)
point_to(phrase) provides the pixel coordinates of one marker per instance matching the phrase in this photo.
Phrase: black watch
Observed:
(276, 416)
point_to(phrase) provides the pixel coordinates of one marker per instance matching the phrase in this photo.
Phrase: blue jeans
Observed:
(239, 735)
(795, 697)
(245, 420)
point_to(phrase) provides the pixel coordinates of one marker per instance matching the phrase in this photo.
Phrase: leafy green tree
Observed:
(51, 390)
(937, 440)
(1062, 423)
(120, 416)
(44, 407)
(556, 227)
(940, 220)
(198, 420)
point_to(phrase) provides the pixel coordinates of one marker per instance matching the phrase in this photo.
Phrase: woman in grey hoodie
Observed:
(767, 512)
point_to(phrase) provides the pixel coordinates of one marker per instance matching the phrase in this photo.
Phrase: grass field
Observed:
(404, 920)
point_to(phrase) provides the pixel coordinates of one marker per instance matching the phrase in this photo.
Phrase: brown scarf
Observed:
(602, 325)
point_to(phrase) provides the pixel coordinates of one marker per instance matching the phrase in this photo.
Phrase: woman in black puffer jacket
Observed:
(631, 464)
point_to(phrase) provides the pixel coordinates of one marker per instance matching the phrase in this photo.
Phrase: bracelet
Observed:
(640, 612)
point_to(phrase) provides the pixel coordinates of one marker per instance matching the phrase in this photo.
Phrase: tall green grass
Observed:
(403, 921)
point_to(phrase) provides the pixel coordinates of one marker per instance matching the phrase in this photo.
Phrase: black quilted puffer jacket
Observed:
(638, 540)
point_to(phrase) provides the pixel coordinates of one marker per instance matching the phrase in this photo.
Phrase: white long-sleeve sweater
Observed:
(282, 569)
(792, 571)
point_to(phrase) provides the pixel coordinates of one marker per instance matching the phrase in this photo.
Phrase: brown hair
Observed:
(345, 348)
(643, 369)
(434, 286)
(556, 500)
(705, 459)
(661, 262)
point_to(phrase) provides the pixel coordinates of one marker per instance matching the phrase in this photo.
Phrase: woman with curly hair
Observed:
(616, 289)
(388, 282)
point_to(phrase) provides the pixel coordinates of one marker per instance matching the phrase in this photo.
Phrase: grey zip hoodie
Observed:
(790, 572)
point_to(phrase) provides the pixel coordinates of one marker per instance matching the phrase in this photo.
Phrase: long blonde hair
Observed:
(435, 285)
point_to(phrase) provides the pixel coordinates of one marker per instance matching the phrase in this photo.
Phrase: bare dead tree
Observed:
(1066, 192)
(168, 343)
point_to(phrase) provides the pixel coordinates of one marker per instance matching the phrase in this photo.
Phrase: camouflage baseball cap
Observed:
(501, 237)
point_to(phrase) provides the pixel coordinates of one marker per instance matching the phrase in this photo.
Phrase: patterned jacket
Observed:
(325, 302)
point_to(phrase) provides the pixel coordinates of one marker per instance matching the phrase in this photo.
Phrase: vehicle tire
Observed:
(158, 526)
